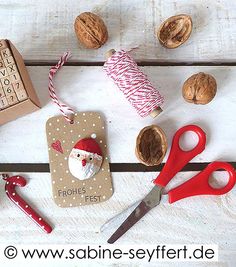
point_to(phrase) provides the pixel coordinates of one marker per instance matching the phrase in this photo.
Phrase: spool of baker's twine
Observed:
(133, 83)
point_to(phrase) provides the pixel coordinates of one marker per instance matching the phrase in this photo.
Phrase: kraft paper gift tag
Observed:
(69, 157)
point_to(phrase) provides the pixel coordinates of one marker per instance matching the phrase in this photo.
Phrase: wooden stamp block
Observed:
(15, 77)
(3, 73)
(3, 103)
(17, 94)
(12, 99)
(18, 86)
(11, 69)
(2, 94)
(5, 81)
(3, 44)
(9, 61)
(5, 53)
(8, 90)
(21, 95)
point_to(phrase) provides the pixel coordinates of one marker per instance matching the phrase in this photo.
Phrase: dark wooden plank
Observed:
(140, 63)
(115, 167)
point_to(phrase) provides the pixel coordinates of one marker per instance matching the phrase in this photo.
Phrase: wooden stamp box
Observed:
(17, 94)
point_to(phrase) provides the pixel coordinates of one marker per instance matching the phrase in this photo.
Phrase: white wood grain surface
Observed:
(206, 220)
(42, 30)
(89, 89)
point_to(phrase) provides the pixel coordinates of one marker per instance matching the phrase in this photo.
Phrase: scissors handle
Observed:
(199, 184)
(178, 158)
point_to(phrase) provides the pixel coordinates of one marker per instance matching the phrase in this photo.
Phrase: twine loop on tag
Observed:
(67, 111)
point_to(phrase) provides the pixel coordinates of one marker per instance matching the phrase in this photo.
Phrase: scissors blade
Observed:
(119, 218)
(151, 200)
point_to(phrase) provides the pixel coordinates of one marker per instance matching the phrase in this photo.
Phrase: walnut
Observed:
(200, 88)
(90, 30)
(151, 145)
(174, 31)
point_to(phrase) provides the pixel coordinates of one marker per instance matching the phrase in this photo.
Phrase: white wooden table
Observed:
(42, 31)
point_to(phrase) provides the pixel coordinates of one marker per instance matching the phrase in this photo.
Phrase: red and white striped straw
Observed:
(67, 111)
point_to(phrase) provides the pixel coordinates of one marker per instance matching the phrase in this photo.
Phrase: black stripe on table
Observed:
(114, 167)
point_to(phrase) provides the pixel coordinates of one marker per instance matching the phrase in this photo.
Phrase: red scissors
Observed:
(197, 185)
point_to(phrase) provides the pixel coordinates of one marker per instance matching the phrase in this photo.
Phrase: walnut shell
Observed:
(151, 145)
(200, 88)
(90, 30)
(174, 31)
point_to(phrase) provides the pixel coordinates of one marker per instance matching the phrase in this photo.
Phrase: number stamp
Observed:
(12, 89)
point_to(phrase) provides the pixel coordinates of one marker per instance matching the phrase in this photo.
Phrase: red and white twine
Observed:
(62, 106)
(134, 84)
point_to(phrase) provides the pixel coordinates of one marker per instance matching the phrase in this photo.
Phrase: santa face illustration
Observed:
(85, 159)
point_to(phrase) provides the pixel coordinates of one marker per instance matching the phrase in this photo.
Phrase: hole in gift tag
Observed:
(188, 141)
(218, 179)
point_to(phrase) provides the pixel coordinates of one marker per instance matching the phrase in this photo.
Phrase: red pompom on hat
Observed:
(89, 145)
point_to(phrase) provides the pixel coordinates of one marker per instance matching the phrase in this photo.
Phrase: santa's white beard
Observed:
(82, 172)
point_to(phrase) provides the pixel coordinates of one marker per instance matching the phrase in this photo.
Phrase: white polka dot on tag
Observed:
(93, 135)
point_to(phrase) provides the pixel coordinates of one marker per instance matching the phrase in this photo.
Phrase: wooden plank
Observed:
(45, 35)
(114, 167)
(197, 220)
(88, 88)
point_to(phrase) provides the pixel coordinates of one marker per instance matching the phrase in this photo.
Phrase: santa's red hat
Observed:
(89, 145)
